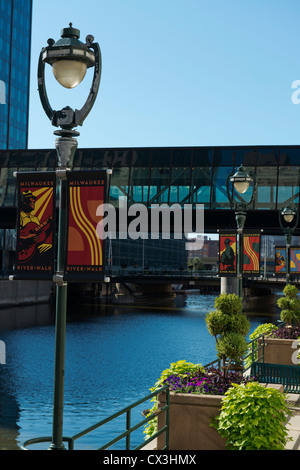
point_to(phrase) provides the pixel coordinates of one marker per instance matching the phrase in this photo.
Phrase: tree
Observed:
(290, 305)
(195, 264)
(229, 326)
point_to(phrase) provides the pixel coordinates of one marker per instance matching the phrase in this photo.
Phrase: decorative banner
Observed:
(227, 253)
(251, 253)
(35, 228)
(280, 260)
(85, 258)
(295, 260)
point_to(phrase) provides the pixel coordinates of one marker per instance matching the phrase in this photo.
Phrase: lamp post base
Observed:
(56, 447)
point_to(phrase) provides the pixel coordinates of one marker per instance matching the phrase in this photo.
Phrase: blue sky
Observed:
(177, 72)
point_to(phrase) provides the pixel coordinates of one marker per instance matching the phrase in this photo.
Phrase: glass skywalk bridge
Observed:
(174, 175)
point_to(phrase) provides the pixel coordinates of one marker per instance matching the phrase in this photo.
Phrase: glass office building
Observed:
(15, 42)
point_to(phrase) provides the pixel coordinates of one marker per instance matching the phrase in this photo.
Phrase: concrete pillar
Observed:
(228, 285)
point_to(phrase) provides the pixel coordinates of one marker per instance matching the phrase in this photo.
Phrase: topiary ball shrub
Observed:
(290, 305)
(232, 345)
(253, 417)
(229, 326)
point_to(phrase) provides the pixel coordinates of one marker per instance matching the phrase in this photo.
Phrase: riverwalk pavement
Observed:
(293, 425)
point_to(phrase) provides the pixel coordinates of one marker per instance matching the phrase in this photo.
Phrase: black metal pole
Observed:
(66, 147)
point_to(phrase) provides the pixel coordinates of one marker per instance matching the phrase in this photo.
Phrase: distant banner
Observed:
(35, 228)
(294, 260)
(251, 253)
(85, 258)
(227, 253)
(280, 260)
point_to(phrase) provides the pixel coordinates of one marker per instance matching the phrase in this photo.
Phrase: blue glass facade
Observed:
(15, 41)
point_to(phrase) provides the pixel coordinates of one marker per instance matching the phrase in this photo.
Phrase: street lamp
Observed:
(237, 185)
(69, 59)
(288, 220)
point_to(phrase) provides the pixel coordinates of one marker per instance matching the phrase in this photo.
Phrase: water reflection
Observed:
(113, 356)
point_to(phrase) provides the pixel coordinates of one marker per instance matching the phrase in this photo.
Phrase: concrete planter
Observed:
(190, 417)
(280, 351)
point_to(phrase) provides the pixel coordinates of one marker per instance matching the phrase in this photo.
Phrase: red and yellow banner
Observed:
(280, 260)
(251, 253)
(295, 260)
(35, 226)
(85, 258)
(227, 254)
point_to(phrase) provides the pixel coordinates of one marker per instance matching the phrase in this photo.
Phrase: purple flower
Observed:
(210, 381)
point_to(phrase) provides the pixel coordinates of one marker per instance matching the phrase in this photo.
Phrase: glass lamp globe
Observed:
(69, 73)
(288, 214)
(241, 186)
(241, 180)
(288, 217)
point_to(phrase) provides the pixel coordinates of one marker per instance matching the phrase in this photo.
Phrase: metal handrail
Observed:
(252, 343)
(254, 350)
(127, 410)
(165, 429)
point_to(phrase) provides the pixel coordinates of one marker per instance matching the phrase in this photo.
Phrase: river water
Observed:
(113, 356)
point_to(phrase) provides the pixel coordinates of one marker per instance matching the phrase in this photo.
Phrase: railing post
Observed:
(128, 425)
(167, 419)
(252, 352)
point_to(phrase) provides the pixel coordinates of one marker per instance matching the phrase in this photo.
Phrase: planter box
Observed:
(189, 419)
(280, 351)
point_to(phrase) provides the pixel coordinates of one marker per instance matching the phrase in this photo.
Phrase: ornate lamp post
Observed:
(288, 220)
(238, 184)
(69, 59)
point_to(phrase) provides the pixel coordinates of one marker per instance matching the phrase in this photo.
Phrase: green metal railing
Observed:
(287, 376)
(256, 347)
(129, 429)
(254, 355)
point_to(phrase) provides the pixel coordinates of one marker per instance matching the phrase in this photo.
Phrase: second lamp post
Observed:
(237, 185)
(288, 220)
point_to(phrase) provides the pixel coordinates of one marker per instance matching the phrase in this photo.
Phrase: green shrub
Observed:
(263, 329)
(217, 323)
(253, 417)
(290, 291)
(290, 305)
(232, 345)
(228, 325)
(181, 368)
(230, 304)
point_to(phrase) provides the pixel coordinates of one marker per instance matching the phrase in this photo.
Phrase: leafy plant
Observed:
(210, 381)
(229, 326)
(253, 417)
(263, 329)
(290, 305)
(181, 368)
